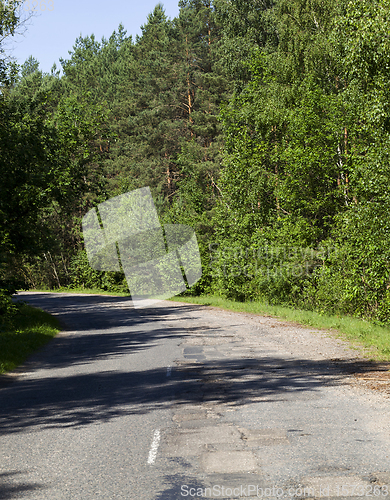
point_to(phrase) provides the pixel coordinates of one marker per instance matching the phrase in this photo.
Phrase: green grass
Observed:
(29, 330)
(372, 340)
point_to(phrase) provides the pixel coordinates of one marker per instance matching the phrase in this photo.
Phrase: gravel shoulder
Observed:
(315, 344)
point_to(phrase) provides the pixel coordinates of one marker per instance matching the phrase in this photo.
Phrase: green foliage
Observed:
(298, 163)
(265, 126)
(11, 18)
(7, 308)
(29, 67)
(83, 276)
(29, 330)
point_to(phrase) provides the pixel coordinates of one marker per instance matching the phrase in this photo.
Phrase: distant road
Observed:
(183, 401)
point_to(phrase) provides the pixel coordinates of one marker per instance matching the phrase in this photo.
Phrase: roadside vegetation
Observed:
(23, 330)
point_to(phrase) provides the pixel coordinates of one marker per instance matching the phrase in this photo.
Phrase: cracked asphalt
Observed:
(184, 401)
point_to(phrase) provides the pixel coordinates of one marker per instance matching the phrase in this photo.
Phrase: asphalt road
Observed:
(180, 401)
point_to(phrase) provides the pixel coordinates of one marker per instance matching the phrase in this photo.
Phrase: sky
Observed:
(52, 32)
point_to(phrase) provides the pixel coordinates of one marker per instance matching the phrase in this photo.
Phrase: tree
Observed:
(30, 66)
(280, 182)
(357, 281)
(12, 21)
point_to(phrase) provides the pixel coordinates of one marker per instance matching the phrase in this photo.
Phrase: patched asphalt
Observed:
(182, 401)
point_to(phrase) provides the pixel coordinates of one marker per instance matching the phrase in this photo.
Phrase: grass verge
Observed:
(26, 332)
(372, 340)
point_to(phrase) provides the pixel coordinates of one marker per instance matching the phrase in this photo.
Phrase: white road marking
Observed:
(154, 447)
(169, 369)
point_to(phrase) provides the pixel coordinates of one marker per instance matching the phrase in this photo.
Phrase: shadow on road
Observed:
(15, 491)
(81, 399)
(98, 327)
(105, 327)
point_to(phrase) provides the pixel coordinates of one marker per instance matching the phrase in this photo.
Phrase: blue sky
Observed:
(51, 34)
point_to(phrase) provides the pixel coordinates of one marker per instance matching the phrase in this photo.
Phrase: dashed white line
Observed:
(154, 447)
(169, 369)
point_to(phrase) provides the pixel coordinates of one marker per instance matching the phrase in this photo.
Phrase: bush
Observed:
(83, 276)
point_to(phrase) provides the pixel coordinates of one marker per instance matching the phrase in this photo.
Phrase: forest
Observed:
(264, 125)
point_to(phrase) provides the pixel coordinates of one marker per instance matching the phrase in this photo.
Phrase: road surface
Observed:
(183, 401)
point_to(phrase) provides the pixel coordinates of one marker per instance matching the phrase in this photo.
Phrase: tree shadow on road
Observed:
(104, 329)
(77, 399)
(82, 399)
(99, 327)
(10, 490)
